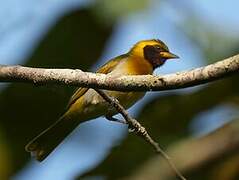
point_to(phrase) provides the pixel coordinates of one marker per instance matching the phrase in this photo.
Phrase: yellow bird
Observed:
(86, 104)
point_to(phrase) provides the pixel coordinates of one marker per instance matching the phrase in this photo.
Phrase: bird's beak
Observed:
(168, 55)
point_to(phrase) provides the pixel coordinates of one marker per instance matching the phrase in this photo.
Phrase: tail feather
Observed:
(42, 145)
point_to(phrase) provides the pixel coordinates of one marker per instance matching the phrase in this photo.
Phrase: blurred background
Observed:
(199, 126)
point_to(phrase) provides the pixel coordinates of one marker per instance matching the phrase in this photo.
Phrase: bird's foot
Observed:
(111, 118)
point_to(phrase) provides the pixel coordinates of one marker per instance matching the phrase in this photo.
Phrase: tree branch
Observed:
(139, 129)
(192, 153)
(124, 83)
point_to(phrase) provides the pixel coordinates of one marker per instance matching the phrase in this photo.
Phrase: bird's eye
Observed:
(158, 47)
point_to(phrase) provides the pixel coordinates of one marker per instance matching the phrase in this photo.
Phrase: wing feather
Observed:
(105, 69)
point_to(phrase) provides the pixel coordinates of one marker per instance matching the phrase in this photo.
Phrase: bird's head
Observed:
(155, 51)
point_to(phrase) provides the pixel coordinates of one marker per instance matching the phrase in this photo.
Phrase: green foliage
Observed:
(76, 41)
(110, 11)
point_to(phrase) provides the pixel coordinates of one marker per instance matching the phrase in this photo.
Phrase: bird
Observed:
(86, 104)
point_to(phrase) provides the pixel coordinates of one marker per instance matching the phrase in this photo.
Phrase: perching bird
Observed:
(86, 104)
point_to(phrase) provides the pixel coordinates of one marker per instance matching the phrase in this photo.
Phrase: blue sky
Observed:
(23, 24)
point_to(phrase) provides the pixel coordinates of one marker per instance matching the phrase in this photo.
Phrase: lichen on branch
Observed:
(79, 78)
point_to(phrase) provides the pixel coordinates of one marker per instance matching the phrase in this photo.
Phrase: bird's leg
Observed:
(111, 118)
